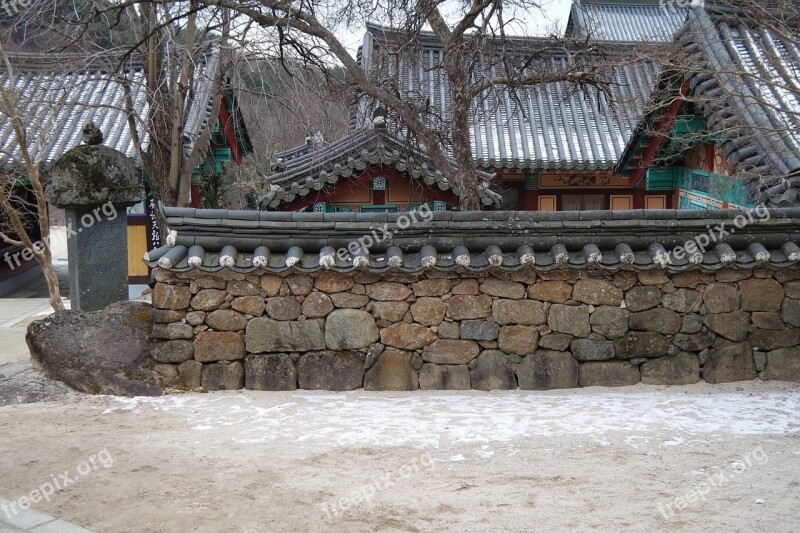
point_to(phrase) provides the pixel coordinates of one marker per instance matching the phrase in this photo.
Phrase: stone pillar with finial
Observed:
(95, 185)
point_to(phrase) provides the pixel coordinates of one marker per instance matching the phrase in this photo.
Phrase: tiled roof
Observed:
(550, 126)
(308, 169)
(553, 126)
(94, 92)
(637, 21)
(275, 242)
(749, 90)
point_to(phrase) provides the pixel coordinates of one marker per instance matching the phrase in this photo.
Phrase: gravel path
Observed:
(698, 458)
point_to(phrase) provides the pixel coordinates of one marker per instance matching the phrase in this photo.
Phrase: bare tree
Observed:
(287, 104)
(184, 55)
(25, 221)
(172, 44)
(478, 59)
(99, 40)
(749, 49)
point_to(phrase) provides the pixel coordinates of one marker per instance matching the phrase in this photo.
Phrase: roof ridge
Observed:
(428, 39)
(105, 61)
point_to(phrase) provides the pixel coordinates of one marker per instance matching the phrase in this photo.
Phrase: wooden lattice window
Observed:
(379, 183)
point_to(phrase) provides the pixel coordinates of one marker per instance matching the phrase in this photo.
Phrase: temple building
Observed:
(57, 102)
(712, 138)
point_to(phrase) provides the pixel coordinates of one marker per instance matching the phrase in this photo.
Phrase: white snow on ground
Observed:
(428, 420)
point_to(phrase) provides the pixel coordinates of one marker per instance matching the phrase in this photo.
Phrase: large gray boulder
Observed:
(102, 352)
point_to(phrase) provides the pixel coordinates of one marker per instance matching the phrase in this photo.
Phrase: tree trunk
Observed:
(466, 173)
(45, 260)
(157, 158)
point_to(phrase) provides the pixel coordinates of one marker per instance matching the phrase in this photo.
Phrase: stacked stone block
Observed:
(461, 330)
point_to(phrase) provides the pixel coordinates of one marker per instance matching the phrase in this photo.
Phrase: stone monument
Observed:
(95, 184)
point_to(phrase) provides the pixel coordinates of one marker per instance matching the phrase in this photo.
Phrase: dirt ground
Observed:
(698, 458)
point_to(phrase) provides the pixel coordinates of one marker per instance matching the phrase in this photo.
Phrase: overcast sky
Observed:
(554, 13)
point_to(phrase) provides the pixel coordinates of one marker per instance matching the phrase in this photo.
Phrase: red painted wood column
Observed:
(638, 198)
(529, 191)
(226, 122)
(196, 195)
(530, 200)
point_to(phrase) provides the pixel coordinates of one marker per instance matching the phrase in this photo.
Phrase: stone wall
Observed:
(458, 330)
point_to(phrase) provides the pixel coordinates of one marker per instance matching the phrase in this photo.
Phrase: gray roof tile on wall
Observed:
(516, 240)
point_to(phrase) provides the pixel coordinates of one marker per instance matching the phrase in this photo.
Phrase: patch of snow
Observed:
(424, 420)
(484, 452)
(635, 441)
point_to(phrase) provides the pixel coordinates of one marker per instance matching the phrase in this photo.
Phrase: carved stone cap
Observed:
(93, 174)
(92, 134)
